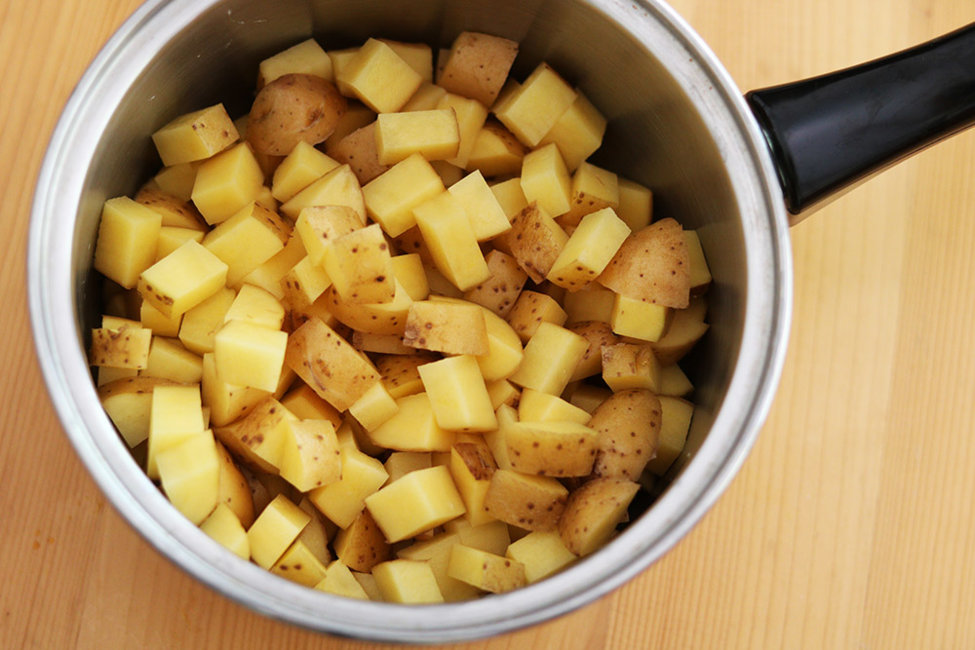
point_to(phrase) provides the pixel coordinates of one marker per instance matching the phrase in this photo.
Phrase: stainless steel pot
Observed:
(677, 123)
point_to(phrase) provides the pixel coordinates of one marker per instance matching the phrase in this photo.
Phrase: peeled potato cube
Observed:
(171, 237)
(496, 151)
(471, 115)
(425, 98)
(433, 134)
(310, 454)
(177, 180)
(299, 169)
(307, 405)
(551, 356)
(589, 249)
(451, 240)
(338, 186)
(391, 197)
(593, 512)
(233, 491)
(183, 279)
(299, 564)
(200, 324)
(409, 272)
(226, 401)
(486, 571)
(225, 528)
(343, 500)
(700, 273)
(417, 502)
(400, 463)
(360, 266)
(636, 204)
(362, 545)
(487, 218)
(258, 437)
(471, 466)
(457, 394)
(535, 406)
(412, 427)
(407, 581)
(189, 473)
(307, 57)
(535, 106)
(379, 77)
(477, 66)
(195, 136)
(510, 197)
(418, 56)
(675, 422)
(275, 530)
(578, 133)
(340, 581)
(168, 359)
(686, 328)
(128, 403)
(176, 415)
(638, 319)
(257, 306)
(127, 239)
(247, 354)
(374, 408)
(226, 183)
(541, 553)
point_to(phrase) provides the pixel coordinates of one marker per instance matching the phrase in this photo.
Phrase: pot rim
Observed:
(52, 290)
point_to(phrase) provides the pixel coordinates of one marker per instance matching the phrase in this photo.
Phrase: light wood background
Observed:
(851, 525)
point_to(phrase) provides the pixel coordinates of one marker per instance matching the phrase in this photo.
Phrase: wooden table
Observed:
(851, 523)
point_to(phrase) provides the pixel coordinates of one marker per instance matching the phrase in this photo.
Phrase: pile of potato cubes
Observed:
(396, 339)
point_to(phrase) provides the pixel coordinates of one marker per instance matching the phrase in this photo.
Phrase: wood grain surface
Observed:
(851, 524)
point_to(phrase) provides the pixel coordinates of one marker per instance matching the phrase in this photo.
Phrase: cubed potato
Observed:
(360, 267)
(340, 60)
(400, 463)
(362, 545)
(591, 303)
(451, 240)
(675, 422)
(247, 354)
(652, 265)
(673, 381)
(407, 581)
(413, 427)
(299, 169)
(319, 226)
(418, 56)
(449, 172)
(492, 536)
(589, 397)
(551, 356)
(589, 250)
(636, 204)
(171, 237)
(507, 416)
(534, 107)
(189, 473)
(535, 241)
(224, 527)
(200, 324)
(531, 310)
(510, 197)
(593, 189)
(176, 212)
(630, 365)
(326, 362)
(299, 564)
(485, 571)
(457, 394)
(496, 151)
(438, 283)
(471, 466)
(391, 197)
(307, 57)
(545, 180)
(227, 183)
(268, 275)
(578, 133)
(628, 426)
(500, 291)
(433, 134)
(380, 343)
(310, 455)
(275, 530)
(233, 490)
(417, 502)
(176, 415)
(107, 374)
(356, 116)
(359, 150)
(183, 279)
(340, 581)
(195, 136)
(471, 115)
(226, 401)
(374, 408)
(435, 552)
(246, 240)
(425, 98)
(128, 403)
(256, 306)
(338, 186)
(400, 374)
(177, 180)
(127, 240)
(593, 512)
(541, 553)
(127, 347)
(448, 327)
(597, 334)
(307, 405)
(639, 320)
(700, 273)
(409, 272)
(502, 391)
(343, 500)
(376, 318)
(530, 502)
(376, 75)
(560, 449)
(258, 437)
(478, 65)
(485, 214)
(168, 359)
(542, 407)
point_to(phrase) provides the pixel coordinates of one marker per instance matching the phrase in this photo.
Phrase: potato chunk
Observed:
(628, 429)
(530, 502)
(457, 394)
(127, 237)
(486, 571)
(418, 501)
(652, 265)
(433, 134)
(183, 279)
(478, 65)
(293, 108)
(379, 77)
(195, 136)
(536, 105)
(593, 512)
(452, 328)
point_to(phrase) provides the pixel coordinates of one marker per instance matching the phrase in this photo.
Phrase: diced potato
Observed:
(485, 214)
(545, 180)
(418, 501)
(374, 408)
(368, 583)
(592, 303)
(379, 77)
(652, 265)
(491, 536)
(630, 365)
(407, 581)
(499, 292)
(355, 117)
(337, 187)
(375, 318)
(593, 512)
(362, 545)
(436, 553)
(558, 449)
(307, 405)
(168, 359)
(578, 132)
(400, 374)
(171, 237)
(256, 306)
(478, 65)
(593, 189)
(360, 266)
(457, 394)
(391, 197)
(258, 437)
(628, 425)
(176, 212)
(451, 240)
(675, 422)
(195, 136)
(340, 60)
(589, 249)
(343, 500)
(107, 374)
(502, 391)
(433, 134)
(251, 355)
(541, 553)
(486, 571)
(176, 415)
(510, 196)
(400, 463)
(127, 240)
(636, 204)
(535, 240)
(535, 107)
(471, 115)
(531, 310)
(225, 528)
(268, 275)
(200, 324)
(496, 151)
(127, 347)
(227, 183)
(310, 455)
(226, 401)
(246, 240)
(597, 334)
(128, 403)
(551, 356)
(307, 57)
(189, 473)
(673, 381)
(177, 180)
(452, 328)
(413, 427)
(233, 490)
(299, 169)
(530, 502)
(425, 98)
(359, 151)
(542, 407)
(275, 530)
(299, 564)
(326, 362)
(471, 466)
(638, 319)
(409, 272)
(340, 581)
(700, 273)
(418, 56)
(183, 279)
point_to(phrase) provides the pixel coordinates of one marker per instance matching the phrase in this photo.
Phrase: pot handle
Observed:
(831, 131)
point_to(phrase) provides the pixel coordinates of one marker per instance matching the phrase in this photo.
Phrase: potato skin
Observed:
(628, 426)
(292, 109)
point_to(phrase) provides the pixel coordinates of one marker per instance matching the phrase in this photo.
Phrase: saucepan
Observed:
(737, 169)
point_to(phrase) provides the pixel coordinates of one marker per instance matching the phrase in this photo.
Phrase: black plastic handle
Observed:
(831, 131)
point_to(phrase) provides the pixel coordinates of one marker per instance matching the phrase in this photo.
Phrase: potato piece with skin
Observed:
(628, 426)
(478, 65)
(362, 545)
(675, 423)
(195, 136)
(597, 334)
(127, 239)
(471, 466)
(686, 328)
(400, 374)
(457, 394)
(232, 489)
(360, 267)
(183, 279)
(275, 530)
(299, 564)
(504, 353)
(630, 365)
(375, 318)
(174, 211)
(593, 189)
(578, 133)
(335, 370)
(559, 449)
(359, 150)
(652, 265)
(535, 241)
(450, 328)
(391, 197)
(319, 226)
(593, 511)
(531, 310)
(530, 502)
(128, 403)
(499, 292)
(293, 108)
(589, 249)
(471, 115)
(307, 405)
(380, 343)
(257, 439)
(310, 455)
(127, 347)
(486, 571)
